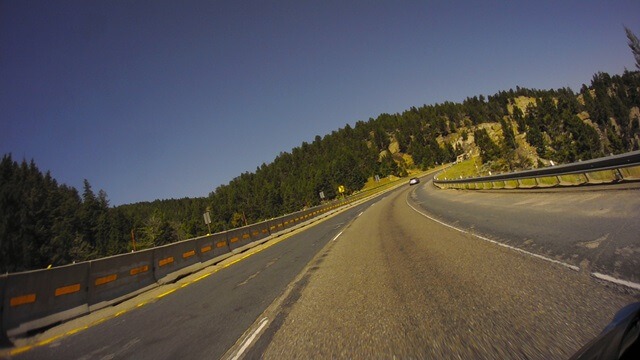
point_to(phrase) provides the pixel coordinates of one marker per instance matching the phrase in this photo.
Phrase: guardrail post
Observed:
(586, 176)
(518, 183)
(618, 174)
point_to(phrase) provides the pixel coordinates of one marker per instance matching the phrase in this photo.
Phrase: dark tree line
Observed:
(43, 222)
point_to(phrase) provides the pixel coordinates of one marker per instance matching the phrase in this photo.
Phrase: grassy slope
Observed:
(466, 168)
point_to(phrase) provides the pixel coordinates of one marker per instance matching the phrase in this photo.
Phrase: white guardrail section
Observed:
(606, 170)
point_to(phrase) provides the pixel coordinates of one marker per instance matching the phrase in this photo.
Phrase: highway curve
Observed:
(199, 317)
(382, 280)
(594, 228)
(395, 284)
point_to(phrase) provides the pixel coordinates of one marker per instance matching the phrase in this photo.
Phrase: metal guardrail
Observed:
(610, 169)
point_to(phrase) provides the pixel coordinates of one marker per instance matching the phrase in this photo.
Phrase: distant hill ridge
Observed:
(514, 129)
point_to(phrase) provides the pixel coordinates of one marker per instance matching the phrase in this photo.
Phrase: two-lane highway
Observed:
(204, 319)
(398, 285)
(384, 280)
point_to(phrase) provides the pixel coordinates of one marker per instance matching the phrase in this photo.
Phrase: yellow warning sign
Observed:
(341, 189)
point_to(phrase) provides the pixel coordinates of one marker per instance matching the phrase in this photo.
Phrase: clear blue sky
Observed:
(167, 99)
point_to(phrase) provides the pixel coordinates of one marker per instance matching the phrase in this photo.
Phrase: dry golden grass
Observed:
(521, 102)
(465, 168)
(372, 184)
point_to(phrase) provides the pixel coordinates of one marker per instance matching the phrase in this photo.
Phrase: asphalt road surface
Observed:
(594, 230)
(397, 285)
(204, 319)
(381, 280)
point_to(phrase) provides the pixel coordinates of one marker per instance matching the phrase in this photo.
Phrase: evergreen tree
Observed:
(634, 45)
(518, 117)
(489, 151)
(509, 136)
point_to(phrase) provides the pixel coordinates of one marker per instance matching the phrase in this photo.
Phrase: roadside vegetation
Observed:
(464, 169)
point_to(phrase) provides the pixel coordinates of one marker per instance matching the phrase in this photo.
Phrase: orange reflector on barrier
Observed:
(255, 233)
(139, 270)
(280, 225)
(272, 228)
(221, 244)
(246, 236)
(166, 261)
(106, 279)
(286, 223)
(234, 239)
(67, 289)
(205, 249)
(24, 299)
(264, 230)
(188, 254)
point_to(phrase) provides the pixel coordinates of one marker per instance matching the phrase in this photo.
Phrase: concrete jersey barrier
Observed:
(212, 246)
(40, 298)
(3, 283)
(173, 257)
(113, 277)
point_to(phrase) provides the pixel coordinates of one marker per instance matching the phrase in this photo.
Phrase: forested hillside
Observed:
(43, 223)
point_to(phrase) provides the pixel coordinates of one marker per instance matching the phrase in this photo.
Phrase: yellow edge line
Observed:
(77, 330)
(21, 350)
(68, 333)
(202, 277)
(167, 293)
